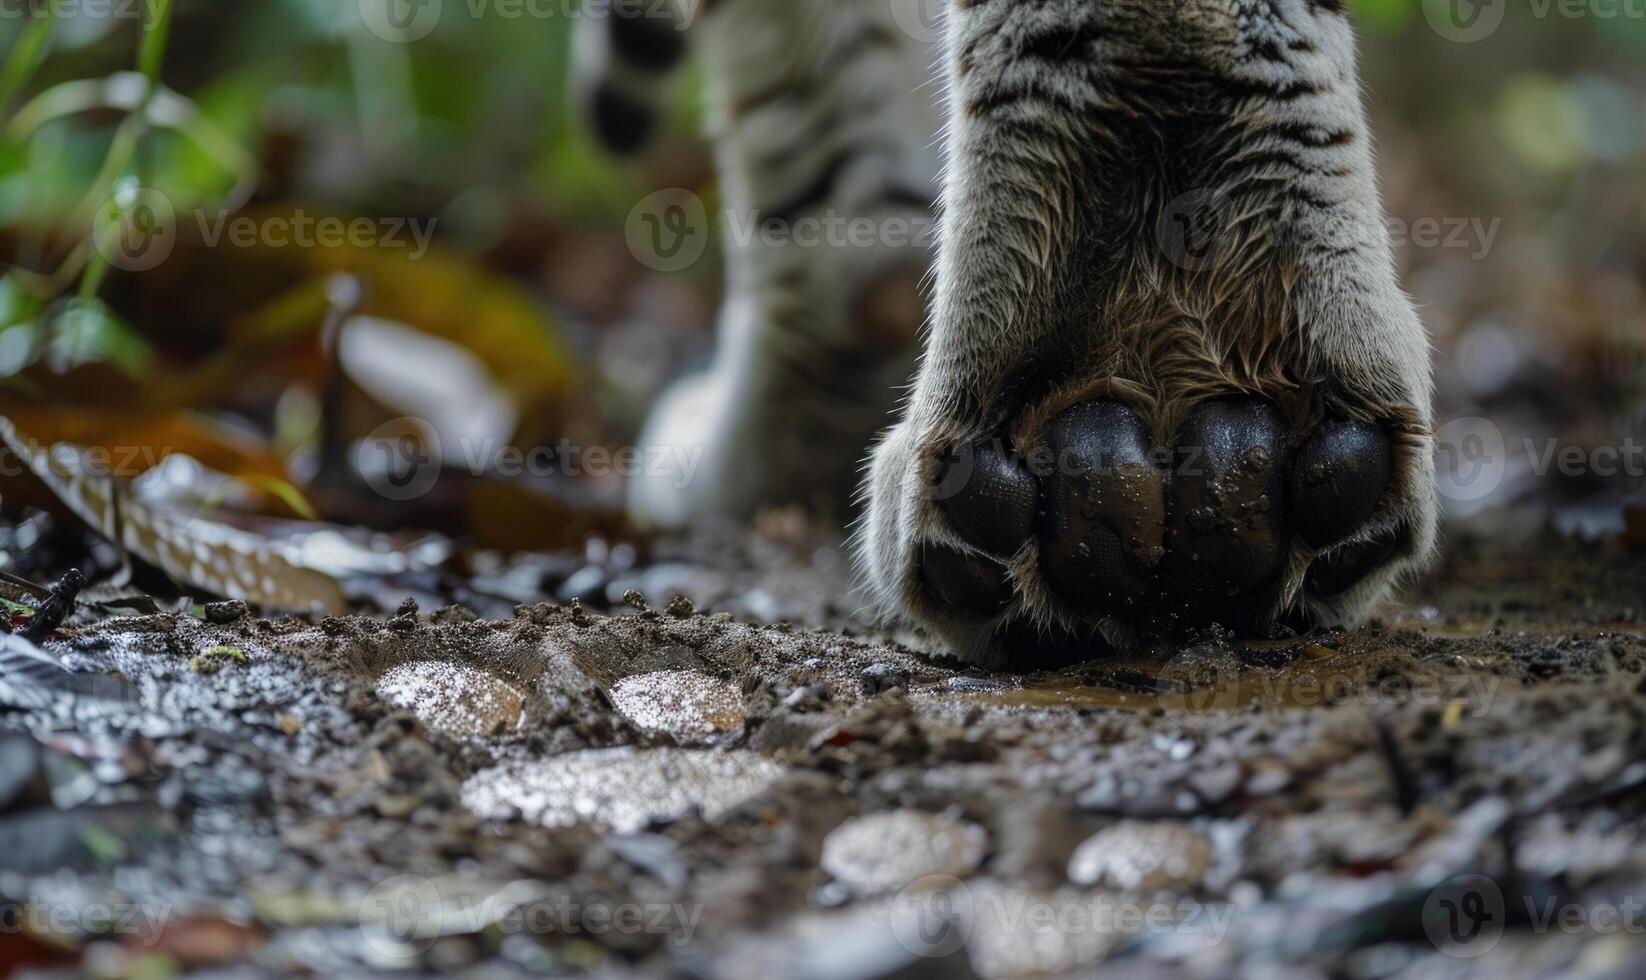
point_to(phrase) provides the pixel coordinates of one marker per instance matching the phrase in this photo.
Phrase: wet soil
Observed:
(759, 782)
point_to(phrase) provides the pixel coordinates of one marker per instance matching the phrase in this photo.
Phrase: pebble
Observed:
(973, 685)
(227, 611)
(883, 852)
(1007, 938)
(879, 678)
(623, 790)
(453, 699)
(1142, 856)
(1218, 783)
(683, 703)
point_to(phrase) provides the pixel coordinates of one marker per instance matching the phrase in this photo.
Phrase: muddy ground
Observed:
(756, 782)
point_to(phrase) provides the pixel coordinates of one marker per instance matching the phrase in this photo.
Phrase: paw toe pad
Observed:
(1103, 520)
(1196, 534)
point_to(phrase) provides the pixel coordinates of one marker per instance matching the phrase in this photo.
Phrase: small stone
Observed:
(1218, 783)
(973, 685)
(226, 612)
(883, 852)
(213, 659)
(882, 677)
(623, 790)
(453, 699)
(683, 703)
(1142, 856)
(1269, 780)
(396, 806)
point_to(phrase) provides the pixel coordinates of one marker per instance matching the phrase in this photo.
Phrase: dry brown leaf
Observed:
(191, 548)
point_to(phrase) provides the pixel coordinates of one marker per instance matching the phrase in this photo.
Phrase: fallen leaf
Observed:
(192, 549)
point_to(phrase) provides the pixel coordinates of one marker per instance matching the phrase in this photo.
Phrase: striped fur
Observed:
(1079, 133)
(820, 113)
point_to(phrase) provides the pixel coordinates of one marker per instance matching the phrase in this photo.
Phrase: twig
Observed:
(55, 608)
(1400, 772)
(33, 589)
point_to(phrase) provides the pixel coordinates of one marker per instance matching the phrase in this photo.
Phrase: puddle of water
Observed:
(1184, 684)
(453, 699)
(620, 789)
(683, 703)
(883, 852)
(1138, 856)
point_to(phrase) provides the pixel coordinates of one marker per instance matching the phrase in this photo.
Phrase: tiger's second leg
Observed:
(825, 137)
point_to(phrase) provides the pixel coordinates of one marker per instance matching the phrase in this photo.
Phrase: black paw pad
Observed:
(966, 581)
(989, 495)
(1227, 533)
(1103, 522)
(1344, 569)
(1337, 480)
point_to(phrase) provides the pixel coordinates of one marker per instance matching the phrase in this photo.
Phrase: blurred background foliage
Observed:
(1527, 150)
